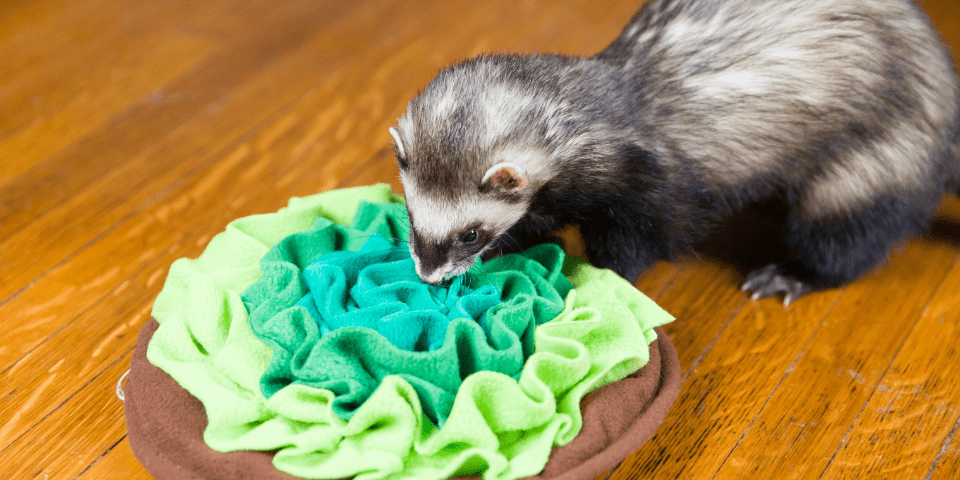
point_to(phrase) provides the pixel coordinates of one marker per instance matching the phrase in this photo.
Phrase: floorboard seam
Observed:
(98, 458)
(893, 359)
(780, 382)
(65, 400)
(943, 450)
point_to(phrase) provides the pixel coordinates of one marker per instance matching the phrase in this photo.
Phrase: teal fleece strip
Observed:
(498, 428)
(343, 320)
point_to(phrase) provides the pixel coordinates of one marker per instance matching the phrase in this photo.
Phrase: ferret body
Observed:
(846, 110)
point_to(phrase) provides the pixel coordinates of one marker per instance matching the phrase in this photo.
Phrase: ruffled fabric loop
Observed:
(206, 344)
(344, 320)
(377, 288)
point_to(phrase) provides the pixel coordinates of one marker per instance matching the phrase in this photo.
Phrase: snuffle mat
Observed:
(302, 344)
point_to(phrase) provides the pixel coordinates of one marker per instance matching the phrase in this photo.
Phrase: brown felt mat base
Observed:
(165, 423)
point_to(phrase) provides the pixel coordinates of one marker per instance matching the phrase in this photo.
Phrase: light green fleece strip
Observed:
(499, 428)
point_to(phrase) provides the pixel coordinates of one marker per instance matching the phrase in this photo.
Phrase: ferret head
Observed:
(448, 233)
(468, 168)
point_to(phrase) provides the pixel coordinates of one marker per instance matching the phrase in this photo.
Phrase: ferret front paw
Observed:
(771, 280)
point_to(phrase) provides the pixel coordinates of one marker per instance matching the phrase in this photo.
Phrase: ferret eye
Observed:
(470, 237)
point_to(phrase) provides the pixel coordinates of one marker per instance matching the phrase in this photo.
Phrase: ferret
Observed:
(844, 110)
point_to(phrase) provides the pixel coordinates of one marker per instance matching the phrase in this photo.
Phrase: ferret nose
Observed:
(433, 278)
(436, 278)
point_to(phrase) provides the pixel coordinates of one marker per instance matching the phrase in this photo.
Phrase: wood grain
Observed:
(755, 351)
(116, 464)
(132, 132)
(839, 369)
(910, 409)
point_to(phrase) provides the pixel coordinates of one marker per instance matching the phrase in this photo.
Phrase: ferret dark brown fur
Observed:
(846, 110)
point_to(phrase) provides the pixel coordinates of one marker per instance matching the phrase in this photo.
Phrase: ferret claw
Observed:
(770, 281)
(787, 299)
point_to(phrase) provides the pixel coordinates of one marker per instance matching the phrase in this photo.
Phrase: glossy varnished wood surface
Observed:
(132, 132)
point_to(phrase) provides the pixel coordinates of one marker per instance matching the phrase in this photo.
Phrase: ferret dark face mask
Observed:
(448, 232)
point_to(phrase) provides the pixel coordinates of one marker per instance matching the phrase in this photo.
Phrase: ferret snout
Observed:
(430, 260)
(432, 278)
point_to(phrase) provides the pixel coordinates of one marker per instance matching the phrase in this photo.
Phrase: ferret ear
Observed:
(398, 143)
(504, 176)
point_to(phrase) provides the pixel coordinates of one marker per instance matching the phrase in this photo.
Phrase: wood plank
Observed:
(948, 462)
(704, 298)
(84, 179)
(753, 353)
(48, 106)
(277, 154)
(140, 242)
(50, 374)
(945, 16)
(345, 35)
(88, 424)
(904, 425)
(113, 182)
(118, 463)
(805, 420)
(947, 229)
(159, 146)
(657, 279)
(18, 16)
(108, 315)
(142, 249)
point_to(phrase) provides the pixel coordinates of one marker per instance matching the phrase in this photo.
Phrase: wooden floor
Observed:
(132, 132)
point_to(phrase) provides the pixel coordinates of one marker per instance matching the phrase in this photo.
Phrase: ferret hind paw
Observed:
(770, 281)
